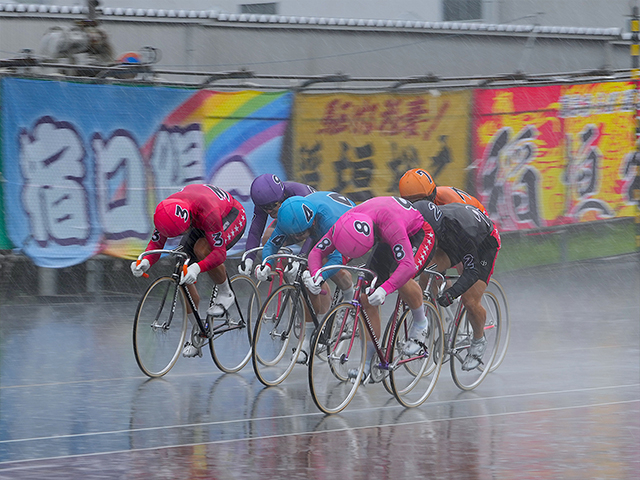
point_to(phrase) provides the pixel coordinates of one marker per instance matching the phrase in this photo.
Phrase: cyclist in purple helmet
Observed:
(267, 193)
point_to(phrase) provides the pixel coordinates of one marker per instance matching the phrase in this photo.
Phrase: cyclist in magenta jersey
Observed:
(267, 193)
(394, 229)
(210, 221)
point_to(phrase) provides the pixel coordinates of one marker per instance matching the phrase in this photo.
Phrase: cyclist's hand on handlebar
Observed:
(245, 267)
(377, 297)
(291, 270)
(314, 287)
(192, 274)
(446, 299)
(263, 272)
(138, 269)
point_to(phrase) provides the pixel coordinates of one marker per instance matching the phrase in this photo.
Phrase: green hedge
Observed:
(566, 244)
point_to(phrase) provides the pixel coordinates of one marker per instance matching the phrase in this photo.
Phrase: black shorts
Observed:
(229, 223)
(383, 261)
(487, 253)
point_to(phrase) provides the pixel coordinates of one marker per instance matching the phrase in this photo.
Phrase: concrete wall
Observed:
(284, 46)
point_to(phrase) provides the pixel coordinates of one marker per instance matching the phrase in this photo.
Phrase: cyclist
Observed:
(308, 219)
(267, 193)
(394, 229)
(417, 184)
(210, 221)
(468, 237)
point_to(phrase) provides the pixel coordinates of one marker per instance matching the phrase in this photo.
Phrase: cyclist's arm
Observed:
(307, 246)
(215, 238)
(157, 242)
(319, 252)
(470, 273)
(406, 270)
(276, 240)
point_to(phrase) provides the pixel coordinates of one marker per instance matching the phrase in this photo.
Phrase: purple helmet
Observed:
(267, 189)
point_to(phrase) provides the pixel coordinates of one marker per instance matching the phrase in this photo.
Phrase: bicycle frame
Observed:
(179, 269)
(383, 355)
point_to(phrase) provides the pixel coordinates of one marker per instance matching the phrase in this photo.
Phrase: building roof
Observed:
(318, 22)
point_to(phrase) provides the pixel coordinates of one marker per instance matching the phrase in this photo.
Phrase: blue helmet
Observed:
(267, 189)
(295, 215)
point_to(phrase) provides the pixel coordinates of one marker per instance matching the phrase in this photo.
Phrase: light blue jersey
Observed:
(329, 206)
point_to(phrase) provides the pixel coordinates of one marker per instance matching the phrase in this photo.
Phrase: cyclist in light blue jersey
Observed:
(308, 219)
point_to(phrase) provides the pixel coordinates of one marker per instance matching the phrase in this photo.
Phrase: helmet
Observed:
(266, 189)
(295, 215)
(353, 234)
(417, 184)
(172, 217)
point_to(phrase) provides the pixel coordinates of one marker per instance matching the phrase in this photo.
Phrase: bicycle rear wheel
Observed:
(278, 335)
(413, 377)
(505, 324)
(160, 327)
(231, 342)
(463, 333)
(342, 337)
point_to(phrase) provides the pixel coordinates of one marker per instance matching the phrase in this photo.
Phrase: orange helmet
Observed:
(417, 184)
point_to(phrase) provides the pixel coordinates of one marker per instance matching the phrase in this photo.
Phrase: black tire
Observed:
(329, 381)
(160, 327)
(463, 333)
(278, 335)
(414, 377)
(231, 342)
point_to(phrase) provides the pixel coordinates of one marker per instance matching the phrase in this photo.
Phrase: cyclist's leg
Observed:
(472, 298)
(343, 280)
(476, 313)
(320, 302)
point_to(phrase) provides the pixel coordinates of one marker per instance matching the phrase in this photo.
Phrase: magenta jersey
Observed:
(394, 221)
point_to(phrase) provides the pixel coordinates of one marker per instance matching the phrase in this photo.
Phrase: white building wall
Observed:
(581, 13)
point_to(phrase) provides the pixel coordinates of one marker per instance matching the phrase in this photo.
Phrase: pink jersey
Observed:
(394, 221)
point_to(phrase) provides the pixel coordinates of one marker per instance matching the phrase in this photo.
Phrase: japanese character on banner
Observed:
(52, 160)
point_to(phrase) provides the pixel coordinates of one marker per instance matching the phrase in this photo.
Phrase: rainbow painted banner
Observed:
(84, 165)
(547, 156)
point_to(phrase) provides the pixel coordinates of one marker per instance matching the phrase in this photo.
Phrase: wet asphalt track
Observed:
(564, 404)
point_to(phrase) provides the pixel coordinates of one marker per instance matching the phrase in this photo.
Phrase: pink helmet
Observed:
(353, 234)
(172, 217)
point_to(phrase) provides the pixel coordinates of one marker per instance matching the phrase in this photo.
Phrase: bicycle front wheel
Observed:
(232, 333)
(160, 327)
(505, 325)
(278, 335)
(462, 335)
(413, 376)
(336, 362)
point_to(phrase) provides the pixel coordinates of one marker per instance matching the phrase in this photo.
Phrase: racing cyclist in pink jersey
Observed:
(394, 229)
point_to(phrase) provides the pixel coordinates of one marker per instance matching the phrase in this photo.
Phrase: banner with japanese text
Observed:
(553, 155)
(361, 144)
(84, 165)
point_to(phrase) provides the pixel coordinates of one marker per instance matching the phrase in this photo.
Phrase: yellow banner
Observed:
(601, 167)
(361, 144)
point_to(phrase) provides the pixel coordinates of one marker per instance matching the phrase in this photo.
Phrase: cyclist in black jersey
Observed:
(465, 235)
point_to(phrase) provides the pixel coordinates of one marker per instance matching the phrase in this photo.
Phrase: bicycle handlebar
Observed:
(439, 275)
(275, 256)
(175, 252)
(257, 249)
(360, 270)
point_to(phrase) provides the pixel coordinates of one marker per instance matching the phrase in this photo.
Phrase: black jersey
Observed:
(464, 234)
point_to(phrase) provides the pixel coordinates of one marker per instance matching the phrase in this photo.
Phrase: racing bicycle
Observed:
(160, 325)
